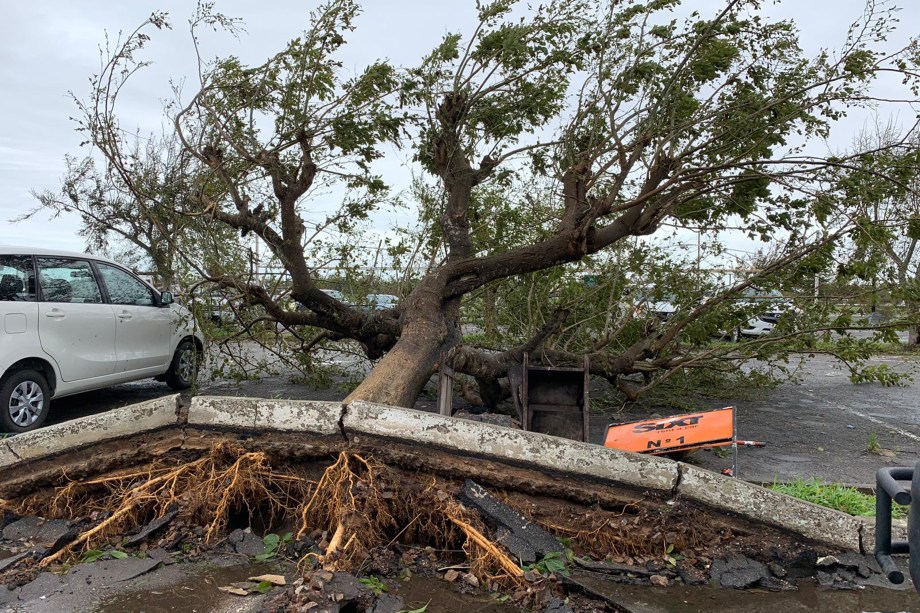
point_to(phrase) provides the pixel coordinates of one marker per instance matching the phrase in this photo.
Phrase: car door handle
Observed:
(124, 316)
(55, 314)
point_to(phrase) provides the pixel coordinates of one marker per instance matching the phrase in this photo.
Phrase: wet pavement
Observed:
(820, 427)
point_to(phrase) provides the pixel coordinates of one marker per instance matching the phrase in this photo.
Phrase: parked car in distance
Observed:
(773, 304)
(380, 302)
(214, 306)
(646, 303)
(71, 323)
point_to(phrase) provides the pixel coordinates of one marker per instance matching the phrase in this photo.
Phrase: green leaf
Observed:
(92, 555)
(374, 583)
(264, 587)
(118, 555)
(271, 541)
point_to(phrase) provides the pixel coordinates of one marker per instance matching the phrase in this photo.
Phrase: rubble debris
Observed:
(525, 540)
(777, 585)
(273, 579)
(691, 575)
(611, 568)
(322, 590)
(388, 603)
(738, 572)
(246, 543)
(777, 570)
(155, 526)
(827, 561)
(12, 560)
(865, 566)
(846, 571)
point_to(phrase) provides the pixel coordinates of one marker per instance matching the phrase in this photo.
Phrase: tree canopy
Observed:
(548, 142)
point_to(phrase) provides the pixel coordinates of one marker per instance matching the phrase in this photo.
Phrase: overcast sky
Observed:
(50, 47)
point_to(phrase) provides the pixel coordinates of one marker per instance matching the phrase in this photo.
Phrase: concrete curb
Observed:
(126, 421)
(362, 422)
(550, 453)
(898, 532)
(260, 414)
(772, 508)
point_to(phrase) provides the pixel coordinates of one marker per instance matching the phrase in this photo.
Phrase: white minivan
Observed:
(71, 323)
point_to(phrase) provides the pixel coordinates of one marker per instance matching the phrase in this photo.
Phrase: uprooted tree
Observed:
(545, 139)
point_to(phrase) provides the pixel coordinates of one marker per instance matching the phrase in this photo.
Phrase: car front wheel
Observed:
(184, 367)
(24, 400)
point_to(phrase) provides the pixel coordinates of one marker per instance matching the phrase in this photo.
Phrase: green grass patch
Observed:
(835, 496)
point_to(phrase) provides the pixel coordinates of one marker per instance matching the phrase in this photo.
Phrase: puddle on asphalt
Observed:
(443, 597)
(199, 593)
(810, 598)
(196, 594)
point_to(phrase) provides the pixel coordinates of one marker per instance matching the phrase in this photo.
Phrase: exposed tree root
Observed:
(207, 491)
(347, 502)
(487, 560)
(357, 507)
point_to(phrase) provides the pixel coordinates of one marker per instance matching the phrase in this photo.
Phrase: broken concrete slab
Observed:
(772, 508)
(388, 603)
(154, 526)
(246, 543)
(10, 561)
(92, 576)
(738, 572)
(37, 530)
(76, 592)
(525, 540)
(133, 419)
(106, 572)
(310, 416)
(364, 420)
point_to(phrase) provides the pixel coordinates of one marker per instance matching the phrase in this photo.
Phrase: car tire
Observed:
(183, 370)
(24, 401)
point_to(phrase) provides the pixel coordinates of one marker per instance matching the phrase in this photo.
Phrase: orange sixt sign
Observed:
(681, 433)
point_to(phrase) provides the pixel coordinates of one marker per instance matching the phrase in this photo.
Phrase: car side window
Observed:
(125, 288)
(68, 280)
(17, 278)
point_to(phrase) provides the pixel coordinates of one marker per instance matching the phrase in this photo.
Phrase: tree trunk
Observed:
(431, 326)
(913, 336)
(400, 376)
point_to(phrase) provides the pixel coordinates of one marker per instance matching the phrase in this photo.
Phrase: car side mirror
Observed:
(166, 299)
